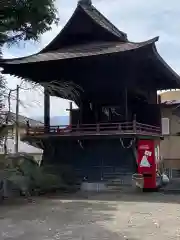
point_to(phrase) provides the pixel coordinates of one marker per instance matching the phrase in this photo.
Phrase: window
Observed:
(10, 134)
(9, 150)
(175, 173)
(165, 126)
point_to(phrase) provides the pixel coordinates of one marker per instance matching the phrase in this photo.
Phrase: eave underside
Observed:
(102, 75)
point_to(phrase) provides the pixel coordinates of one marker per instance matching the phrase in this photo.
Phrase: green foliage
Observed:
(66, 172)
(2, 81)
(25, 19)
(27, 176)
(2, 100)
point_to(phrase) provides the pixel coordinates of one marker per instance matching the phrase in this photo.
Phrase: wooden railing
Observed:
(95, 129)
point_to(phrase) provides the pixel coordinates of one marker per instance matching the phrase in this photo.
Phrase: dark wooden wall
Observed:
(145, 113)
(93, 158)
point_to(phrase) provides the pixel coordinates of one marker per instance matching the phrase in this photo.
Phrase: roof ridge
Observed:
(85, 2)
(88, 8)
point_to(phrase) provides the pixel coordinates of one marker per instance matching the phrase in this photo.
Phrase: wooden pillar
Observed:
(152, 97)
(70, 112)
(71, 108)
(110, 115)
(84, 108)
(158, 99)
(96, 113)
(46, 109)
(80, 113)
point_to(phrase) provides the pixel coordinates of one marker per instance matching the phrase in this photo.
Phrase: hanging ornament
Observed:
(128, 146)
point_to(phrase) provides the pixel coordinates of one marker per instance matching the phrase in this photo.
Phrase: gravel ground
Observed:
(97, 216)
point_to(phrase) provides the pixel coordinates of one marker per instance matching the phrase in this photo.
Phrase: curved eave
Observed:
(79, 52)
(168, 71)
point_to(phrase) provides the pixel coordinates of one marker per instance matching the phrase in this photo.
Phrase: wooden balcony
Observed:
(125, 129)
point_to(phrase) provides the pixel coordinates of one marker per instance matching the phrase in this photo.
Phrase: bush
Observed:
(26, 176)
(66, 172)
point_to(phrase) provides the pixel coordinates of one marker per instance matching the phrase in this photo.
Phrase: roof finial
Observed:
(85, 2)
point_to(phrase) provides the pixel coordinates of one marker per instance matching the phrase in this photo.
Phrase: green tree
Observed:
(26, 19)
(22, 20)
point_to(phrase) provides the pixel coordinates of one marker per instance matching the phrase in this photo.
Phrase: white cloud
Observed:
(140, 19)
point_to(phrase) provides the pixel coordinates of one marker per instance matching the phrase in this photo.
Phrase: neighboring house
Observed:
(23, 147)
(170, 146)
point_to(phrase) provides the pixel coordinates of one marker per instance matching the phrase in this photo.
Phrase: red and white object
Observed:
(147, 162)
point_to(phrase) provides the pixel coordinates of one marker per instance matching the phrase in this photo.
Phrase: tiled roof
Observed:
(95, 16)
(171, 102)
(81, 51)
(100, 19)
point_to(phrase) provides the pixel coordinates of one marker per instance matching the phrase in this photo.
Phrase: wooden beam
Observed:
(70, 113)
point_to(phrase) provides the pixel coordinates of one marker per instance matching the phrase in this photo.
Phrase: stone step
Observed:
(119, 188)
(116, 173)
(107, 188)
(116, 176)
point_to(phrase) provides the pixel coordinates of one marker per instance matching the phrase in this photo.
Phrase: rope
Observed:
(116, 113)
(80, 144)
(130, 144)
(106, 111)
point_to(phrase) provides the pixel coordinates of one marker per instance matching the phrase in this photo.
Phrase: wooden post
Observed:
(98, 127)
(134, 124)
(46, 110)
(70, 115)
(158, 99)
(70, 112)
(80, 113)
(119, 127)
(96, 113)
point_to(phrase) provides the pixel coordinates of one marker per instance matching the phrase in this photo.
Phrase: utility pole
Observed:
(17, 121)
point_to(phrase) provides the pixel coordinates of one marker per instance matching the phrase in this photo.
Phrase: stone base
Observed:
(93, 186)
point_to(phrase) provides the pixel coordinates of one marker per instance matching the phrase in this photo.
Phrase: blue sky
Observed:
(140, 19)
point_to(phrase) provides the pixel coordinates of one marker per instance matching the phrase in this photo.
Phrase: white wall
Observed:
(23, 147)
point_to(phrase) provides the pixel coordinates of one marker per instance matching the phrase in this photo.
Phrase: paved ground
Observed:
(99, 216)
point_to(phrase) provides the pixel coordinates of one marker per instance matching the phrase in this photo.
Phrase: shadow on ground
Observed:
(60, 217)
(118, 196)
(124, 196)
(87, 216)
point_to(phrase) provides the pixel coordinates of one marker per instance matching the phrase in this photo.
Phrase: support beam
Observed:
(70, 112)
(97, 113)
(46, 109)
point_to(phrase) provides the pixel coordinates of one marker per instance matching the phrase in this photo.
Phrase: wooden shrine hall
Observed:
(114, 83)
